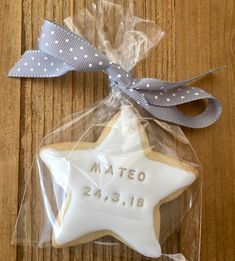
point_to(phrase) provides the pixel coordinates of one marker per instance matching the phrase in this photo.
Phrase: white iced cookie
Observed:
(114, 186)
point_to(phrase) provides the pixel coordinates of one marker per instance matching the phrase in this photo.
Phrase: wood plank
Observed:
(10, 118)
(204, 40)
(199, 36)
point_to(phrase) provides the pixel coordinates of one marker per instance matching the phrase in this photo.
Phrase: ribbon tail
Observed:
(150, 84)
(35, 63)
(198, 77)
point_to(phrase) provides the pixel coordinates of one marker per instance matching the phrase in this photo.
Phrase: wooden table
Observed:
(200, 35)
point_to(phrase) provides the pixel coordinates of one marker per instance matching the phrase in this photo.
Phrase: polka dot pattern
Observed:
(39, 65)
(118, 76)
(61, 50)
(172, 97)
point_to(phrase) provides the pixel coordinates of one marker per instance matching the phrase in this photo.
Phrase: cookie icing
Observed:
(114, 184)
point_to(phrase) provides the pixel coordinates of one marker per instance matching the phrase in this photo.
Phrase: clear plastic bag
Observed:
(111, 175)
(124, 38)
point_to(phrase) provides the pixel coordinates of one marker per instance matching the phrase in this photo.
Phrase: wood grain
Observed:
(200, 35)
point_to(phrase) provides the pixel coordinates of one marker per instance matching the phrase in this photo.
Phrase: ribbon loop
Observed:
(61, 51)
(176, 96)
(174, 115)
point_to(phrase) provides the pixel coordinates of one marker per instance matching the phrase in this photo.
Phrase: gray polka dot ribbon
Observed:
(60, 50)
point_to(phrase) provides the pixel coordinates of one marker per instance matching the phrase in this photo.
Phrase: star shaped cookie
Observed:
(114, 186)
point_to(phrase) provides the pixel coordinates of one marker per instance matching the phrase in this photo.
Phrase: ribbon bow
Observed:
(61, 50)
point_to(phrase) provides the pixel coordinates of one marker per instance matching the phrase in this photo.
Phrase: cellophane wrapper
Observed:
(94, 178)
